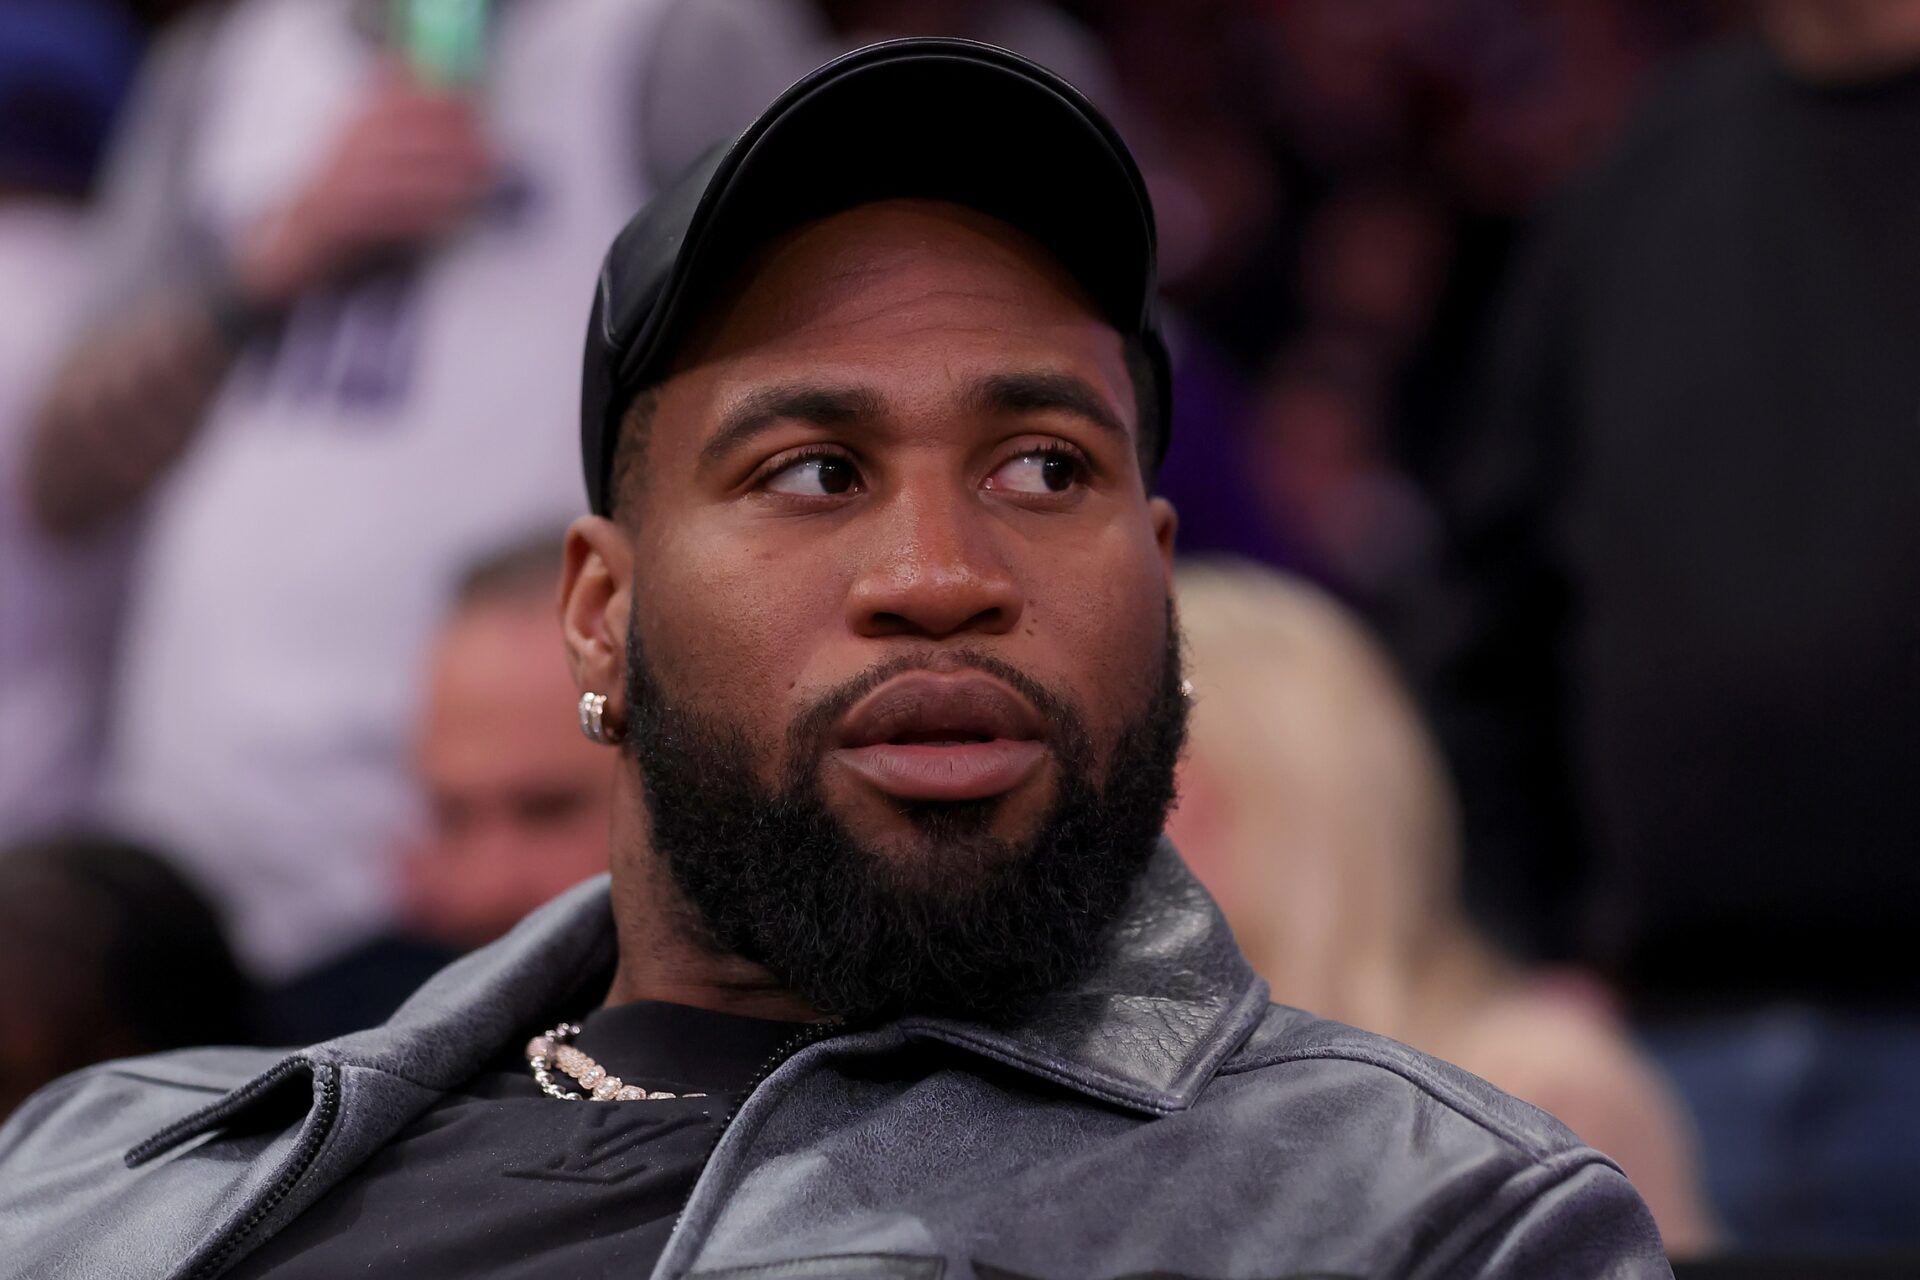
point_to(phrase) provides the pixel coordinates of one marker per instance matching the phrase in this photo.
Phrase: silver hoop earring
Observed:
(593, 711)
(1186, 690)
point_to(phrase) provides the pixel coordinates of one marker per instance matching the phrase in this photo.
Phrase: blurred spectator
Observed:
(1373, 258)
(1338, 86)
(516, 797)
(1197, 79)
(64, 65)
(330, 362)
(1321, 452)
(1315, 808)
(1530, 89)
(1352, 172)
(108, 953)
(1681, 660)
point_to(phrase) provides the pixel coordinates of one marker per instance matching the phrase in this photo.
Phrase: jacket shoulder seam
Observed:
(1440, 1091)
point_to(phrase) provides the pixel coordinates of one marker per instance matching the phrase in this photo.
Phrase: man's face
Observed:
(903, 433)
(518, 800)
(894, 563)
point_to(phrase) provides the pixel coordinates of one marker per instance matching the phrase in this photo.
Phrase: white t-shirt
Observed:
(57, 602)
(298, 559)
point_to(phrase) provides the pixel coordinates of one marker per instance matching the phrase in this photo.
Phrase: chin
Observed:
(942, 845)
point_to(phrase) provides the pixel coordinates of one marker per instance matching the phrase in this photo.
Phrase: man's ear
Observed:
(595, 587)
(1166, 524)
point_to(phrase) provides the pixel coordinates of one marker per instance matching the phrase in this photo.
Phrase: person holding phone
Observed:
(326, 224)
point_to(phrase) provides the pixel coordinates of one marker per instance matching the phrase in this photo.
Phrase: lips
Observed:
(928, 737)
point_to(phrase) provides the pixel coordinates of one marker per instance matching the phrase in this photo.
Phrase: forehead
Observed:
(868, 281)
(498, 651)
(500, 699)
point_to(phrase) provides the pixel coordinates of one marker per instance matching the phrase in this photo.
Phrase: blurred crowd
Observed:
(1548, 458)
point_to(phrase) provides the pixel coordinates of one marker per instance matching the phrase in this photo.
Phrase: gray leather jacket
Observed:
(1159, 1118)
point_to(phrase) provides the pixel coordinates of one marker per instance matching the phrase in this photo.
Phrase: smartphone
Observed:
(444, 41)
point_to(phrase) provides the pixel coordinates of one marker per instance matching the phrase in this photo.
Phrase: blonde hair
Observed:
(1333, 848)
(1338, 851)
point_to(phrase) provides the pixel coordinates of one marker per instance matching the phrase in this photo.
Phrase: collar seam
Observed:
(1076, 1076)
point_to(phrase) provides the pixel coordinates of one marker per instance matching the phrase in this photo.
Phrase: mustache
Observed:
(809, 733)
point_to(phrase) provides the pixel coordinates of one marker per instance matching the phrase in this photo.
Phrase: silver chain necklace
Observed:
(550, 1049)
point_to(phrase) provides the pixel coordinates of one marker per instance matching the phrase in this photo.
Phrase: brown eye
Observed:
(1057, 473)
(1040, 472)
(825, 476)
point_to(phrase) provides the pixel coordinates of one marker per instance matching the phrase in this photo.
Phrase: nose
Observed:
(937, 569)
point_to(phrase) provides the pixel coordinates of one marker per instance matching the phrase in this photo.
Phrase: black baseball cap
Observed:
(930, 118)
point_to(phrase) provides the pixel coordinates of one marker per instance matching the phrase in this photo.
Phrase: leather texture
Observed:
(1158, 1118)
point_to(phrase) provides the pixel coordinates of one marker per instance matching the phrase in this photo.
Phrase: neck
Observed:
(1839, 41)
(662, 955)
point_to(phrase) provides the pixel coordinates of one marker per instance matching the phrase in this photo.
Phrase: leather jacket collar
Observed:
(1145, 1029)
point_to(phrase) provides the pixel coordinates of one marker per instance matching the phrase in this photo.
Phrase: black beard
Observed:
(963, 923)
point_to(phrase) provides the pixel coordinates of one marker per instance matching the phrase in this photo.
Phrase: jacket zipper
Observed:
(813, 1033)
(325, 1108)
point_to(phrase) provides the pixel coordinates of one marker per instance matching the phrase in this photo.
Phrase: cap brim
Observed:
(935, 119)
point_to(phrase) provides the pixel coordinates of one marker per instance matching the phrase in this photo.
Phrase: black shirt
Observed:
(498, 1180)
(1688, 705)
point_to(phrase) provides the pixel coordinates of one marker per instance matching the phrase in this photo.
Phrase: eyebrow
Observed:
(1040, 392)
(1027, 392)
(760, 410)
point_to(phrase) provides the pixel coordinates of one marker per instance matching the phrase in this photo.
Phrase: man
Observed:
(515, 798)
(894, 977)
(1684, 694)
(323, 231)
